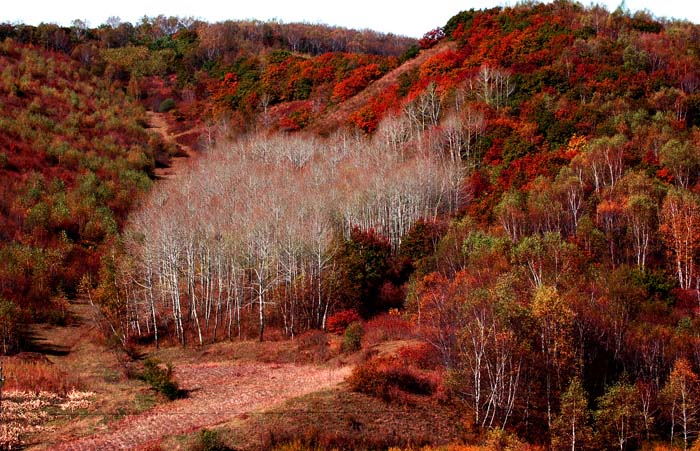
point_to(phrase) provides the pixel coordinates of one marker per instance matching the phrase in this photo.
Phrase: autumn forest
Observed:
(514, 199)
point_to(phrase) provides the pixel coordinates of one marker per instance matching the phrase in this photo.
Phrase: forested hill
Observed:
(74, 158)
(521, 186)
(523, 189)
(75, 152)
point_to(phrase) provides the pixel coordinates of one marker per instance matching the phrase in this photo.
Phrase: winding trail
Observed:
(158, 124)
(218, 392)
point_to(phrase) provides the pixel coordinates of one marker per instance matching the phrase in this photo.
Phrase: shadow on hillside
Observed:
(36, 341)
(38, 345)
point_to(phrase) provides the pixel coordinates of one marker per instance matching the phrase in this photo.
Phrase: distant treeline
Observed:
(203, 41)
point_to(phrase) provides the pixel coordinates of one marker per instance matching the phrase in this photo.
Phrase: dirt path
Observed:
(77, 350)
(57, 342)
(218, 392)
(158, 124)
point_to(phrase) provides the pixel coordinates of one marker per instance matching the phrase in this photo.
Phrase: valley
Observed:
(292, 237)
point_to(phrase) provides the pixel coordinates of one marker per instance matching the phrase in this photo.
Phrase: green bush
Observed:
(160, 379)
(352, 340)
(410, 53)
(166, 105)
(209, 441)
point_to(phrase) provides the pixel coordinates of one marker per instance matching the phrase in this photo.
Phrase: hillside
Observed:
(75, 147)
(525, 190)
(74, 158)
(518, 196)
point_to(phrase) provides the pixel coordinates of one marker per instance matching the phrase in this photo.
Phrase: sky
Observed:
(404, 17)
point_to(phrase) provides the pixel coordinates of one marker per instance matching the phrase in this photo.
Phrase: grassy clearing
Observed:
(253, 374)
(338, 419)
(310, 347)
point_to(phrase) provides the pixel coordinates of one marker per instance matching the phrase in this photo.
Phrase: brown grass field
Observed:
(73, 393)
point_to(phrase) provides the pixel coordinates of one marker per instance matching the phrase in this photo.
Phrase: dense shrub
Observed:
(160, 379)
(314, 344)
(166, 105)
(431, 38)
(338, 322)
(386, 327)
(208, 440)
(75, 156)
(9, 327)
(422, 355)
(312, 339)
(410, 53)
(352, 340)
(389, 379)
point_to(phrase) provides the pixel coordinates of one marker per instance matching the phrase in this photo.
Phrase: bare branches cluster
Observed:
(251, 233)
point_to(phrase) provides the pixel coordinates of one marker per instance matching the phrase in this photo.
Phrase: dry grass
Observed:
(27, 414)
(495, 441)
(38, 376)
(76, 359)
(484, 447)
(288, 351)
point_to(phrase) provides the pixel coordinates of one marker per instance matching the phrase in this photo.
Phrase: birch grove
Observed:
(249, 235)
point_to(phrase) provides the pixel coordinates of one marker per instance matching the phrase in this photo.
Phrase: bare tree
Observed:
(253, 225)
(493, 86)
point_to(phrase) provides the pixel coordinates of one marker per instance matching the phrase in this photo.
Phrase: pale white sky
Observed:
(405, 17)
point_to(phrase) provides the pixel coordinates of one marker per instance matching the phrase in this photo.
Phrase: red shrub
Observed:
(357, 81)
(389, 379)
(431, 38)
(388, 326)
(421, 355)
(440, 64)
(686, 299)
(391, 296)
(337, 323)
(367, 117)
(296, 116)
